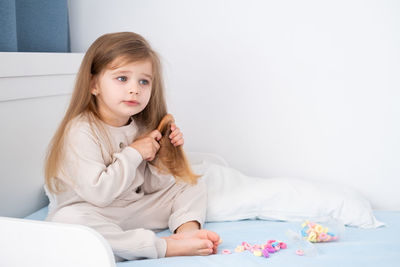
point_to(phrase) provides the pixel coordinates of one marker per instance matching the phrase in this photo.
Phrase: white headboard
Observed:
(34, 92)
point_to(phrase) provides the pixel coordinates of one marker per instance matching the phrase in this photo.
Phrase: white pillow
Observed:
(234, 196)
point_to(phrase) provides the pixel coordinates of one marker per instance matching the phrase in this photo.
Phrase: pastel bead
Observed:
(246, 246)
(304, 232)
(282, 245)
(226, 251)
(322, 236)
(271, 250)
(265, 253)
(257, 253)
(256, 247)
(312, 237)
(239, 249)
(300, 252)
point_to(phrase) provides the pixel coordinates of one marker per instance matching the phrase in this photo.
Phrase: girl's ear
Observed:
(93, 86)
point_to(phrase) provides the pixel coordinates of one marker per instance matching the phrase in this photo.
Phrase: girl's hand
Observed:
(148, 145)
(176, 136)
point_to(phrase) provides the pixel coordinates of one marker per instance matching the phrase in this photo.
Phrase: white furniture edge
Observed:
(47, 244)
(18, 64)
(36, 75)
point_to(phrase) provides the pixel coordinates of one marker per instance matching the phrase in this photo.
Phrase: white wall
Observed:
(278, 88)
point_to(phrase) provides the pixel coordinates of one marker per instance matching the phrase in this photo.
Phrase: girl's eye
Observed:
(122, 78)
(144, 82)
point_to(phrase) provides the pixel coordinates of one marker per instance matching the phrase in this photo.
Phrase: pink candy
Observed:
(246, 246)
(226, 251)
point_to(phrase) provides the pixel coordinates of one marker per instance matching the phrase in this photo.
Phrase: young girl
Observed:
(97, 166)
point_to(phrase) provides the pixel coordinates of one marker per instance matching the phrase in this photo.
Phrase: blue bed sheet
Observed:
(358, 247)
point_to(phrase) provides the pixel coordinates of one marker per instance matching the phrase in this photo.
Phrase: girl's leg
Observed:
(170, 207)
(188, 208)
(189, 204)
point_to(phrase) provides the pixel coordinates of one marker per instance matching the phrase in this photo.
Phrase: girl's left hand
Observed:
(176, 136)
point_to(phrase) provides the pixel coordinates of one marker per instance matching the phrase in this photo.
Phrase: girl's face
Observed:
(123, 92)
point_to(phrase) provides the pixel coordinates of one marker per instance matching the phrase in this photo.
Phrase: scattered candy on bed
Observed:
(226, 251)
(315, 232)
(270, 247)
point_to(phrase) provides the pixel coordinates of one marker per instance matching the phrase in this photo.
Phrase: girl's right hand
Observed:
(148, 145)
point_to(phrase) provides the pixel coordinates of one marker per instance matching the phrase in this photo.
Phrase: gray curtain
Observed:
(34, 26)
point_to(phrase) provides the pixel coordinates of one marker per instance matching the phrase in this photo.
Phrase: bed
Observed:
(358, 247)
(41, 243)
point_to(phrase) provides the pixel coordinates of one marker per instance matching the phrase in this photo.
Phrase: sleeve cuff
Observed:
(176, 221)
(161, 246)
(133, 155)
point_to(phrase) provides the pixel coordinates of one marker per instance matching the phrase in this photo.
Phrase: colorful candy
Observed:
(239, 249)
(272, 246)
(257, 253)
(246, 246)
(226, 251)
(315, 232)
(265, 253)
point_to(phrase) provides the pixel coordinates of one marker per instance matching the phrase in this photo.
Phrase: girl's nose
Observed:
(134, 90)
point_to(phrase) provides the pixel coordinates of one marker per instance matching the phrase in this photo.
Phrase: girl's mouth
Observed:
(131, 103)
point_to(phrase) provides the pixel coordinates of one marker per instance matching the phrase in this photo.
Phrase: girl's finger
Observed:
(156, 145)
(178, 137)
(179, 143)
(174, 133)
(155, 135)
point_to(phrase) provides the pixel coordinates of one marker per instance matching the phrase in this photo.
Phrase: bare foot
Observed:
(188, 247)
(202, 234)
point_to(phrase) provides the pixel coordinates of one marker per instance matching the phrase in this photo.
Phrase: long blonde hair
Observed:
(129, 47)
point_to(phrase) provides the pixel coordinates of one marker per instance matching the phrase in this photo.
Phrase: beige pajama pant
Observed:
(128, 228)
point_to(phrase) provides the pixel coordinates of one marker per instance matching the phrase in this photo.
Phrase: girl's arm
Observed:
(92, 179)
